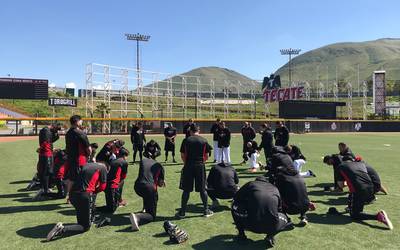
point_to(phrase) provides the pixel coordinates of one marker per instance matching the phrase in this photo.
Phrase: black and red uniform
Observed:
(196, 151)
(152, 150)
(109, 148)
(169, 146)
(151, 175)
(60, 168)
(138, 139)
(91, 180)
(222, 182)
(248, 134)
(115, 178)
(360, 186)
(47, 137)
(77, 144)
(186, 129)
(257, 207)
(376, 180)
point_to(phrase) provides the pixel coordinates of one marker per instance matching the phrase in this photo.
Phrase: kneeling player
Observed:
(110, 150)
(222, 183)
(151, 176)
(299, 160)
(152, 150)
(251, 154)
(115, 180)
(91, 180)
(256, 207)
(361, 190)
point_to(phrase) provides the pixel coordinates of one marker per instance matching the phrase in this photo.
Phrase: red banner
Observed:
(277, 95)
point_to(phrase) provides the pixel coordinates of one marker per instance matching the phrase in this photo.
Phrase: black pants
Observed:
(84, 204)
(61, 192)
(112, 200)
(356, 206)
(243, 223)
(45, 172)
(137, 148)
(216, 194)
(150, 199)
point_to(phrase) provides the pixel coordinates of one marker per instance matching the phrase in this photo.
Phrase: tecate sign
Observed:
(284, 94)
(63, 102)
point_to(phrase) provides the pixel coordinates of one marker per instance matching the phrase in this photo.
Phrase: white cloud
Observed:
(70, 85)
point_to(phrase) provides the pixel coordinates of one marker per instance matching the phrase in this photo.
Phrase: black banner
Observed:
(19, 88)
(69, 102)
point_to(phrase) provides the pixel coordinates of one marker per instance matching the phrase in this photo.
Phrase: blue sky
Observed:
(55, 39)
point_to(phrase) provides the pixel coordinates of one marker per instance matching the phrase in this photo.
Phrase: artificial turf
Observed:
(25, 223)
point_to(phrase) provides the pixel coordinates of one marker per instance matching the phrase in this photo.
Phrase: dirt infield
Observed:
(16, 138)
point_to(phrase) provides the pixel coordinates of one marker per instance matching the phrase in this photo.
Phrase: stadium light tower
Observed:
(290, 52)
(138, 38)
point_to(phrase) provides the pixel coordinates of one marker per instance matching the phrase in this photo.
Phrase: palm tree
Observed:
(104, 110)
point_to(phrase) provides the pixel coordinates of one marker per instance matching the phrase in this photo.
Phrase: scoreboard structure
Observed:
(297, 109)
(21, 88)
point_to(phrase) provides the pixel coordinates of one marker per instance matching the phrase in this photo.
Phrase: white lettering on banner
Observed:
(284, 94)
(62, 102)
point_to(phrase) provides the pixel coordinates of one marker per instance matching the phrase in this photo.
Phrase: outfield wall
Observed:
(17, 126)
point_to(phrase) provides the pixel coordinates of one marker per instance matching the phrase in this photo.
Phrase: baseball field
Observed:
(25, 223)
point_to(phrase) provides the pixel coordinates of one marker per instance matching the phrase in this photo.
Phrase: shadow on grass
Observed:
(20, 182)
(328, 219)
(36, 232)
(226, 241)
(333, 202)
(372, 226)
(33, 208)
(325, 193)
(17, 195)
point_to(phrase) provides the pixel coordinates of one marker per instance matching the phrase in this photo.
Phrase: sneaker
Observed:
(134, 222)
(56, 231)
(180, 214)
(38, 195)
(311, 173)
(303, 222)
(270, 241)
(214, 161)
(215, 204)
(208, 213)
(383, 217)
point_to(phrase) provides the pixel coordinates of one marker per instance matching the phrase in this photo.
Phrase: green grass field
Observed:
(24, 223)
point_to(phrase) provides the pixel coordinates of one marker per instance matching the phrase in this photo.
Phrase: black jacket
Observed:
(224, 137)
(281, 136)
(248, 134)
(214, 130)
(137, 136)
(296, 154)
(262, 202)
(267, 140)
(357, 178)
(222, 178)
(281, 162)
(293, 192)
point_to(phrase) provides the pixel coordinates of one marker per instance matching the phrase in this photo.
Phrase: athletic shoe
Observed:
(215, 204)
(384, 218)
(208, 213)
(270, 241)
(384, 190)
(303, 222)
(56, 231)
(214, 161)
(38, 195)
(134, 222)
(180, 214)
(312, 173)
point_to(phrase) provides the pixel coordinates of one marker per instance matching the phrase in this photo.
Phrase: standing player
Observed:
(257, 208)
(186, 128)
(214, 131)
(222, 183)
(77, 149)
(151, 175)
(248, 134)
(224, 141)
(169, 146)
(281, 134)
(152, 150)
(47, 136)
(115, 180)
(138, 139)
(194, 153)
(267, 141)
(361, 190)
(92, 180)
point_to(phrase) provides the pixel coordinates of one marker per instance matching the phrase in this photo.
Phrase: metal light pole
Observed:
(290, 52)
(138, 38)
